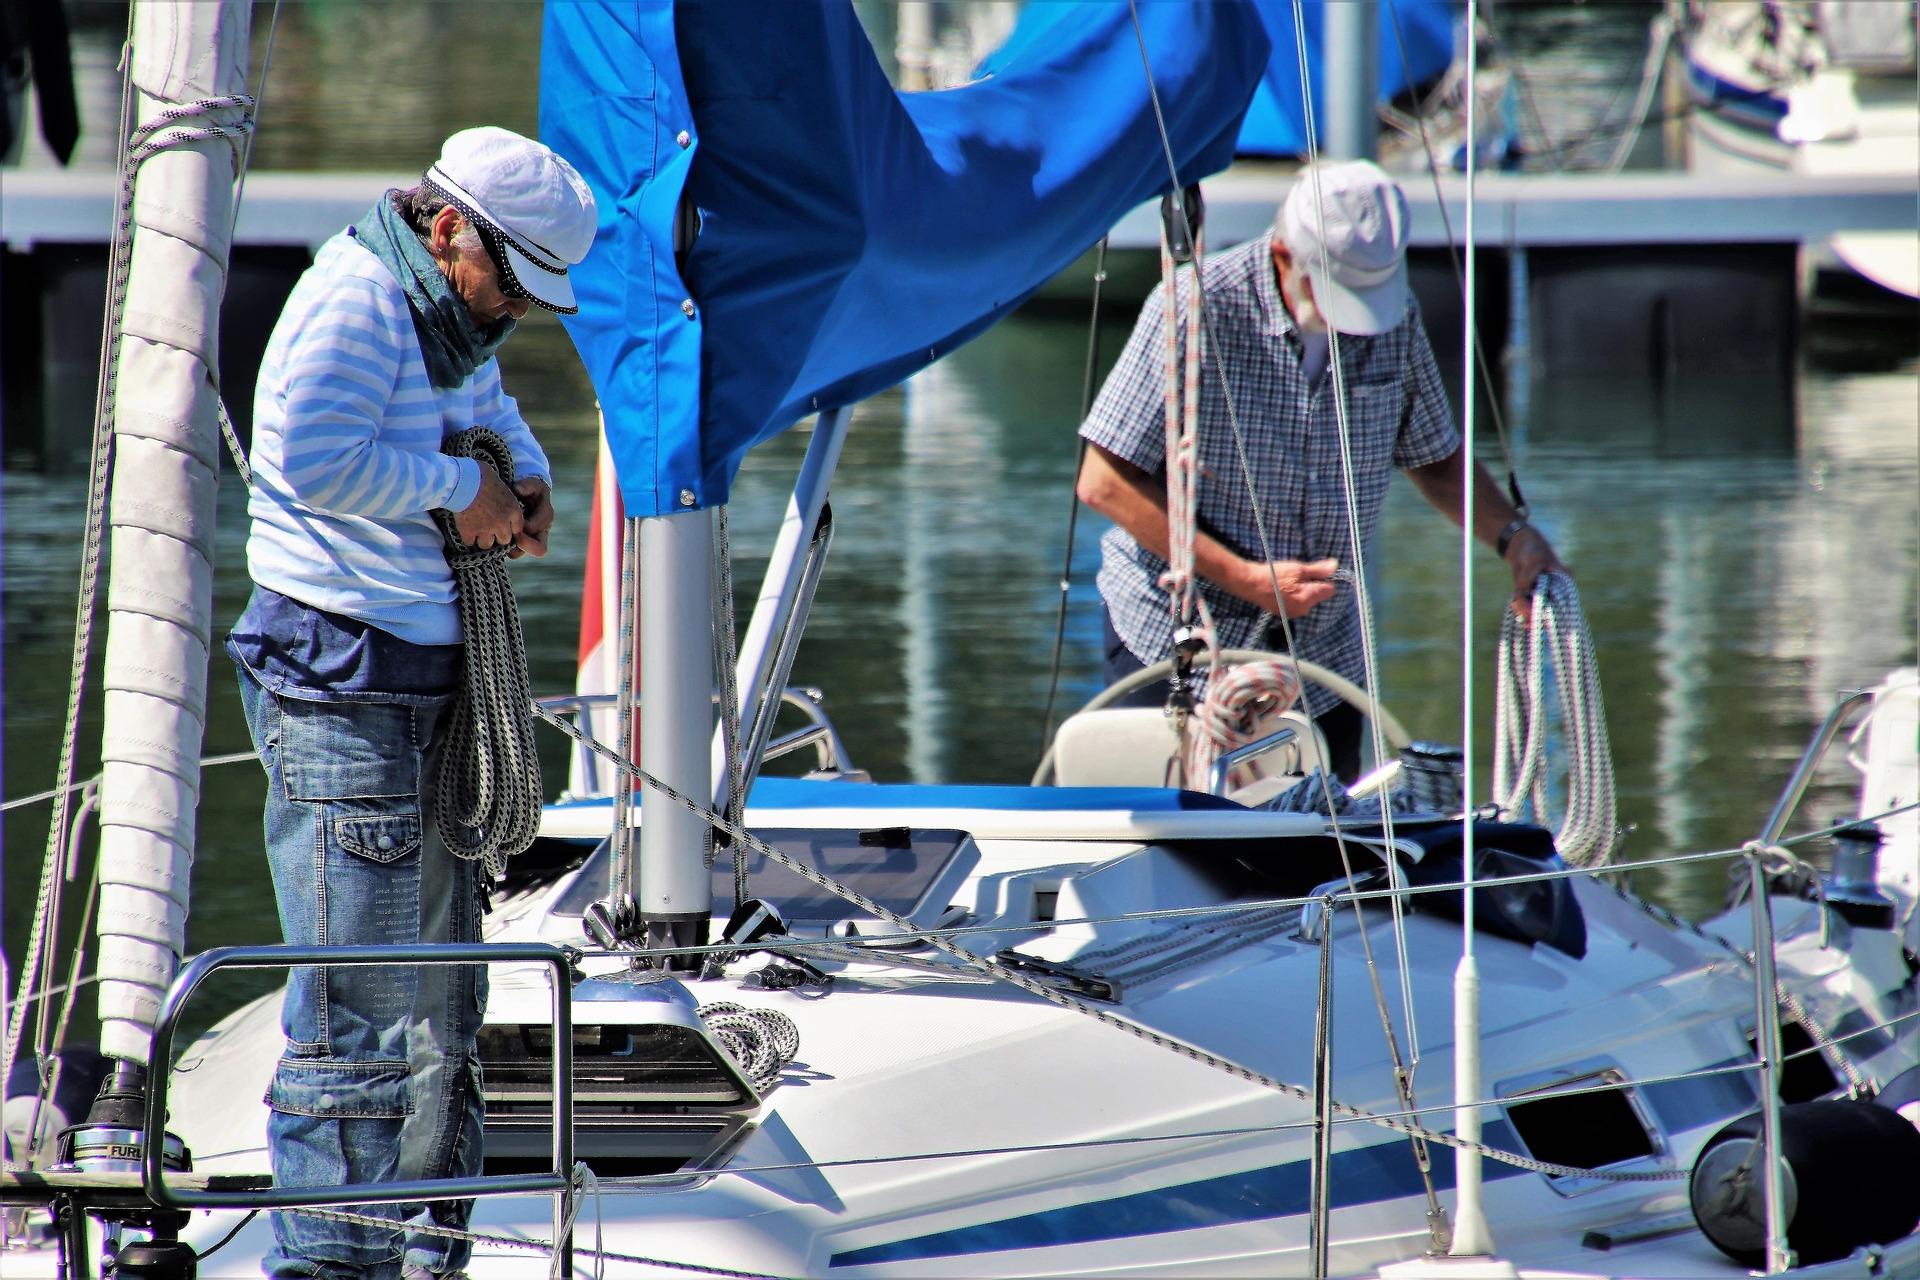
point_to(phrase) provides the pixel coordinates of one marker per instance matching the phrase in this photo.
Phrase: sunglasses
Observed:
(495, 245)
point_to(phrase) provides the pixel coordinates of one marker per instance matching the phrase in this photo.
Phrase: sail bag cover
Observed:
(1416, 45)
(833, 235)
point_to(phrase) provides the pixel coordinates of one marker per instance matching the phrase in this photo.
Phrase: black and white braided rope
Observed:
(488, 798)
(761, 1040)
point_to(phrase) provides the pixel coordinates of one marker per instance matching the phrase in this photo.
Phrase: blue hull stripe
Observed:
(1369, 1175)
(1385, 1171)
(1758, 109)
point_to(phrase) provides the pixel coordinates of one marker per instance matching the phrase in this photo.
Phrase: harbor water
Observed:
(1733, 586)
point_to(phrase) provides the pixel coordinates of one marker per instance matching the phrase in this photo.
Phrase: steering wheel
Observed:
(1308, 672)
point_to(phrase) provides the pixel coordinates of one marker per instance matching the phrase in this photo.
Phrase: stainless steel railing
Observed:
(819, 733)
(557, 1181)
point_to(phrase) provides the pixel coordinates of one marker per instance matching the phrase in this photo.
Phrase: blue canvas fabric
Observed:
(849, 235)
(1275, 124)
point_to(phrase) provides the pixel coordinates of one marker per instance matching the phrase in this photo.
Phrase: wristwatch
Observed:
(1508, 534)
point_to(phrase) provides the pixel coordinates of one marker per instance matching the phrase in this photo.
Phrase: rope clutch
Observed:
(488, 798)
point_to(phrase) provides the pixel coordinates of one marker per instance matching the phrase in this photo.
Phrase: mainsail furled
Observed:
(834, 235)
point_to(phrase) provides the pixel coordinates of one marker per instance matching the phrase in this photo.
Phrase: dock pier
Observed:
(1684, 285)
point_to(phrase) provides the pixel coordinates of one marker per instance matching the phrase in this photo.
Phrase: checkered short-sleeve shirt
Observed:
(1397, 415)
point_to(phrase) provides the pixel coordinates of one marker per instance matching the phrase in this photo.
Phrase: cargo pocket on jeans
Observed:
(378, 837)
(327, 1087)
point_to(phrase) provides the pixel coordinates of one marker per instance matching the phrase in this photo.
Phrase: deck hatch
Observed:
(1588, 1121)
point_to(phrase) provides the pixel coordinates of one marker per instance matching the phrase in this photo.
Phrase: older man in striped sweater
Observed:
(349, 654)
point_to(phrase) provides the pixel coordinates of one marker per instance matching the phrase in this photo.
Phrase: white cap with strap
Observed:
(533, 209)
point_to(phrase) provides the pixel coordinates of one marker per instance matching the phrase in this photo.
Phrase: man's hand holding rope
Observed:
(1529, 555)
(536, 506)
(1292, 587)
(494, 518)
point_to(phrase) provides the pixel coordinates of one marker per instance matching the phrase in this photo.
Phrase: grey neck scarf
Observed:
(453, 345)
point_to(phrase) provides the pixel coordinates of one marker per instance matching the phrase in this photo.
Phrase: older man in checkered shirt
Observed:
(1270, 304)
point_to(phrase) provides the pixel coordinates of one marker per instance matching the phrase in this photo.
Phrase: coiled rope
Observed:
(488, 799)
(1229, 715)
(761, 1041)
(1558, 632)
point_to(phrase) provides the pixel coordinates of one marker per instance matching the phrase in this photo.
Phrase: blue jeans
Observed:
(380, 1080)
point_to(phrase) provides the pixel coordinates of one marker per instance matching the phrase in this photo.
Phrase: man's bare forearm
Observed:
(1439, 482)
(1134, 500)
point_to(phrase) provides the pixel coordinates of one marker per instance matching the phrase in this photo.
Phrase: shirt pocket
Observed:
(349, 751)
(1375, 392)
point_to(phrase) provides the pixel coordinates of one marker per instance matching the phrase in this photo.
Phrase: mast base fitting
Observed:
(110, 1148)
(666, 935)
(122, 1100)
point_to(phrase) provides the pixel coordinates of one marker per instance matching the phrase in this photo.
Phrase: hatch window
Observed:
(1590, 1121)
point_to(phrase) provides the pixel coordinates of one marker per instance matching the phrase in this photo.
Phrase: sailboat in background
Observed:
(1817, 88)
(822, 1026)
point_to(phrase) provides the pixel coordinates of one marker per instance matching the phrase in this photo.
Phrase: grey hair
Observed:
(419, 206)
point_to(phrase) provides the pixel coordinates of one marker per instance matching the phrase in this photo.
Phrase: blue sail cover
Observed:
(1275, 123)
(848, 234)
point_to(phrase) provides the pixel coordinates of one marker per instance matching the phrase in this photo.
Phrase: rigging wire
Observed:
(1404, 1066)
(1073, 497)
(1472, 321)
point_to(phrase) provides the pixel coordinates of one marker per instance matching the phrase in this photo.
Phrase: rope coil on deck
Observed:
(761, 1041)
(488, 799)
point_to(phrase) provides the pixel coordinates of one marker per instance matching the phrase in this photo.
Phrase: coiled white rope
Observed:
(488, 799)
(1558, 635)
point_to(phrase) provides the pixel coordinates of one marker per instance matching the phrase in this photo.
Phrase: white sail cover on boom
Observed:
(166, 467)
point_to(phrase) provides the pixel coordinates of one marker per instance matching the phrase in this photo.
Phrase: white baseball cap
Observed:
(1361, 223)
(533, 210)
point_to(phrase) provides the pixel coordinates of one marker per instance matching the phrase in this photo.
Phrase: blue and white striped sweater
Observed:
(346, 454)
